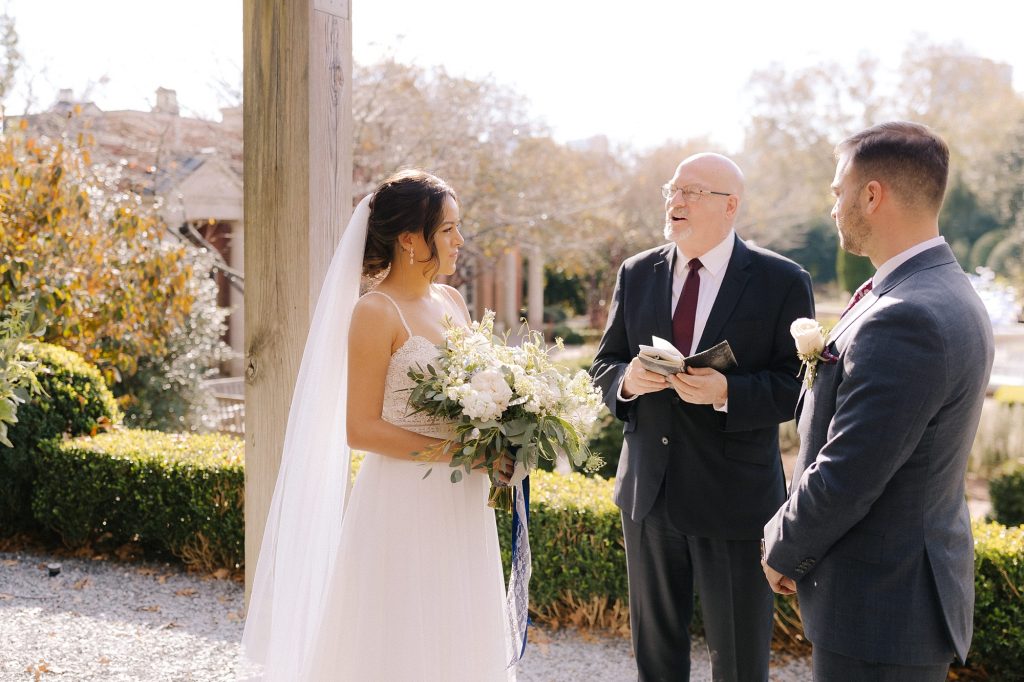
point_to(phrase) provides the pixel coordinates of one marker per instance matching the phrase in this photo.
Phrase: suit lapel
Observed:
(662, 303)
(735, 280)
(800, 399)
(933, 257)
(850, 317)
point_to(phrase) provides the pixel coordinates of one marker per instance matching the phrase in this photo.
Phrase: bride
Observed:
(403, 580)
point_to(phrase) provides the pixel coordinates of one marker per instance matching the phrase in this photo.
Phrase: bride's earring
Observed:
(412, 259)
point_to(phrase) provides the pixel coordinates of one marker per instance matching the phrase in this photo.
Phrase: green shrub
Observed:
(184, 494)
(553, 314)
(1007, 494)
(569, 336)
(168, 392)
(998, 645)
(179, 493)
(575, 539)
(579, 558)
(607, 442)
(76, 402)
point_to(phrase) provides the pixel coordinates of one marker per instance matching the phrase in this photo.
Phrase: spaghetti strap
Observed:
(448, 299)
(400, 315)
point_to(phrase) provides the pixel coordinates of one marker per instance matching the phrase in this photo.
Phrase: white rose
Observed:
(808, 337)
(491, 381)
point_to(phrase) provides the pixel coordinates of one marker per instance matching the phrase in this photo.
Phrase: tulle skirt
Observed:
(418, 593)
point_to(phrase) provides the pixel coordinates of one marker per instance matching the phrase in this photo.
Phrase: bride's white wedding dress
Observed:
(418, 593)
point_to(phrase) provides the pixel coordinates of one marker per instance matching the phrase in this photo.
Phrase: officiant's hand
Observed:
(701, 386)
(638, 381)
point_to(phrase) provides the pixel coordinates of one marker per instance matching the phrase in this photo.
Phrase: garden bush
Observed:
(569, 336)
(168, 392)
(184, 494)
(998, 645)
(607, 442)
(1007, 494)
(575, 539)
(76, 402)
(177, 493)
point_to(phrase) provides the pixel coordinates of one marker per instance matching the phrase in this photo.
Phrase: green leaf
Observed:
(456, 476)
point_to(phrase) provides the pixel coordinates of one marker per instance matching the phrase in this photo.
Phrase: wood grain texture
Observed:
(298, 167)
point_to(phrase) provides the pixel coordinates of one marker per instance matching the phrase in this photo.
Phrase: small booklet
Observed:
(664, 358)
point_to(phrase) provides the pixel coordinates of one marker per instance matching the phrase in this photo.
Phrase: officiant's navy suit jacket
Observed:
(721, 471)
(876, 530)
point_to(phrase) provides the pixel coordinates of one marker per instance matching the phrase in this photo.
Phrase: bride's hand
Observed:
(503, 469)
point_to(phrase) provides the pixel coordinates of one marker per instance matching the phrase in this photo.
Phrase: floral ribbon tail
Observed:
(518, 597)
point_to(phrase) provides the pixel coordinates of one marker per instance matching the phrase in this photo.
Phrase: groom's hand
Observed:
(779, 583)
(638, 381)
(701, 386)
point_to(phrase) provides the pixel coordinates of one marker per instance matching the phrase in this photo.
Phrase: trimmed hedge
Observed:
(575, 539)
(184, 494)
(1007, 494)
(177, 493)
(998, 645)
(76, 402)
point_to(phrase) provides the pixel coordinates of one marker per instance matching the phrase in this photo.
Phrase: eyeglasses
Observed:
(690, 194)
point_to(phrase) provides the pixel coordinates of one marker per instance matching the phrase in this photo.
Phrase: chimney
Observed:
(231, 117)
(166, 101)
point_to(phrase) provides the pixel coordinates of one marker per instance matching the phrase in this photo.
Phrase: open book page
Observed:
(664, 358)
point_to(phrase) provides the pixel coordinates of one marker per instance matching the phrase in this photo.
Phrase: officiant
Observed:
(700, 470)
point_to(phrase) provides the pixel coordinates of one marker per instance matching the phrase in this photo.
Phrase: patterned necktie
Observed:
(862, 290)
(686, 309)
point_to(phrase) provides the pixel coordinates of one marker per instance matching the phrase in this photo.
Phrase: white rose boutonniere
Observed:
(809, 337)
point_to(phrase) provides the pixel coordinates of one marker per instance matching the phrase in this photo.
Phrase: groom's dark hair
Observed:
(409, 200)
(908, 157)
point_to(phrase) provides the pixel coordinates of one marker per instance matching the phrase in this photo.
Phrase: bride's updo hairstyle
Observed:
(408, 201)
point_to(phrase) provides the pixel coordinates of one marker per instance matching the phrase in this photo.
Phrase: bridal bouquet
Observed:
(506, 399)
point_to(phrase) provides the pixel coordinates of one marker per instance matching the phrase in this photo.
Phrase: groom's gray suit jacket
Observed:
(876, 530)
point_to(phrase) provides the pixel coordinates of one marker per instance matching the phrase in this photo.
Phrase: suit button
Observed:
(664, 440)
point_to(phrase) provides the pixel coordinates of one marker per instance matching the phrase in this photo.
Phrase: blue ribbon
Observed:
(518, 597)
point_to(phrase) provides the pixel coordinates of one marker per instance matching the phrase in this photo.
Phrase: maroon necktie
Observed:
(862, 290)
(686, 309)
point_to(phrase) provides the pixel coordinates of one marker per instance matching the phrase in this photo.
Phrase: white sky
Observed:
(641, 71)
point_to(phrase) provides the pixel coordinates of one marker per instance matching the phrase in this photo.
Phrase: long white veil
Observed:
(296, 561)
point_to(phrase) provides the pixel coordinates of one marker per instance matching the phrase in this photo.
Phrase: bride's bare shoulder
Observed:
(456, 297)
(451, 291)
(375, 313)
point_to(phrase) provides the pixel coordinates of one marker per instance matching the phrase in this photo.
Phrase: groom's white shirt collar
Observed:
(889, 266)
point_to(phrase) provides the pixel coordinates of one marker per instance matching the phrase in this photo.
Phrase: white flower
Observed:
(809, 337)
(486, 396)
(810, 347)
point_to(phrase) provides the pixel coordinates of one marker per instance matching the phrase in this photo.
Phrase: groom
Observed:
(876, 536)
(700, 470)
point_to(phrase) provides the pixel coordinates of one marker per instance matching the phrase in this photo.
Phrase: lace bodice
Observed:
(417, 350)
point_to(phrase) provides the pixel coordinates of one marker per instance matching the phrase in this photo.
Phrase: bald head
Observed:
(719, 172)
(703, 202)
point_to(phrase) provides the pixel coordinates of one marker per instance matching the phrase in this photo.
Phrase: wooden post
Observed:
(297, 109)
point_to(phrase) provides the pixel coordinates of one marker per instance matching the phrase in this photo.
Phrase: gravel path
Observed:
(101, 620)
